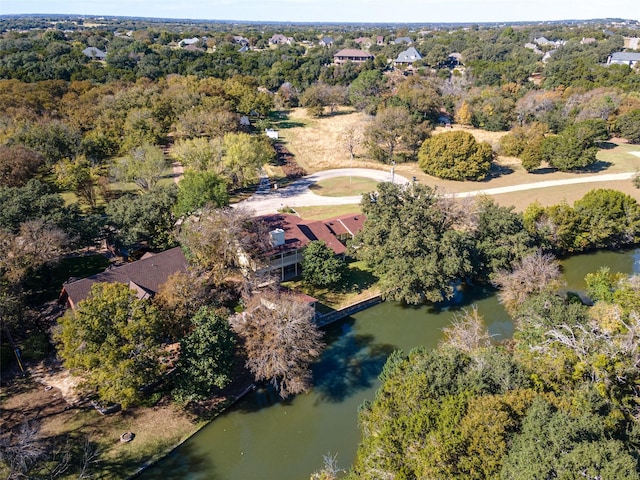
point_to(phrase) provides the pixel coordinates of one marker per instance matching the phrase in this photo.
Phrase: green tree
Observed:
(526, 143)
(607, 218)
(134, 219)
(79, 176)
(575, 148)
(455, 156)
(200, 188)
(628, 125)
(206, 357)
(500, 238)
(243, 156)
(385, 133)
(320, 266)
(37, 201)
(144, 166)
(365, 92)
(199, 154)
(54, 140)
(112, 340)
(411, 243)
(555, 444)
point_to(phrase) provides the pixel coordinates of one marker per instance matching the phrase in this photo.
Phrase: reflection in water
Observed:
(263, 438)
(351, 363)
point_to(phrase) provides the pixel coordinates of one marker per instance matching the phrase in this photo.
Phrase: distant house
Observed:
(534, 48)
(403, 40)
(632, 43)
(145, 276)
(408, 57)
(587, 40)
(326, 42)
(454, 59)
(545, 42)
(547, 56)
(363, 41)
(240, 40)
(624, 58)
(193, 48)
(290, 235)
(188, 41)
(280, 39)
(94, 53)
(380, 40)
(351, 55)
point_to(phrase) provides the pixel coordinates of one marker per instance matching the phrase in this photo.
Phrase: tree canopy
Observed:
(320, 266)
(281, 340)
(409, 242)
(112, 339)
(455, 156)
(206, 357)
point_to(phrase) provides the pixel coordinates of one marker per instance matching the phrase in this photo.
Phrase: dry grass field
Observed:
(317, 145)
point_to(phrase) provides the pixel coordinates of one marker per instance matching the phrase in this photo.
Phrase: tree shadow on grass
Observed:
(598, 166)
(351, 363)
(497, 171)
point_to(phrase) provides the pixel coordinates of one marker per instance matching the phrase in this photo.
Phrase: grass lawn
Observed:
(327, 211)
(315, 142)
(358, 285)
(344, 186)
(157, 428)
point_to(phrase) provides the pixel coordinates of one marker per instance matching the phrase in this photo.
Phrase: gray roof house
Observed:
(94, 53)
(144, 276)
(326, 41)
(408, 57)
(400, 40)
(623, 58)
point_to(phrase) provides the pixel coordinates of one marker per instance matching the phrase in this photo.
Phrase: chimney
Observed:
(277, 237)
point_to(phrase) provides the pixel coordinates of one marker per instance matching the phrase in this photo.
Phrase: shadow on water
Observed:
(464, 296)
(184, 462)
(351, 363)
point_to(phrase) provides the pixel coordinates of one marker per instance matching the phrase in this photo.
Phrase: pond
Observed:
(265, 438)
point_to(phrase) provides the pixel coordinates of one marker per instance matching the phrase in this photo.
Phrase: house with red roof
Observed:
(290, 235)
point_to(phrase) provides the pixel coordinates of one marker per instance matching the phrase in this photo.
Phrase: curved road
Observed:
(298, 194)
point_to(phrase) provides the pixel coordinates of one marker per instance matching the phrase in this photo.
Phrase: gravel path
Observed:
(297, 194)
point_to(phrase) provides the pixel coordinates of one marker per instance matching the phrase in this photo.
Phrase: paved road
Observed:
(297, 194)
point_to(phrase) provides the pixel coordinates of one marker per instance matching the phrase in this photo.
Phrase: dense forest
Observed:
(96, 111)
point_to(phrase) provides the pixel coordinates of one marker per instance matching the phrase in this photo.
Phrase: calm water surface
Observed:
(262, 438)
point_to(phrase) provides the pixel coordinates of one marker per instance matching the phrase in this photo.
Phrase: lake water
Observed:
(263, 438)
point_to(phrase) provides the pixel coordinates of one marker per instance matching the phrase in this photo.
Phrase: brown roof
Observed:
(353, 53)
(298, 232)
(144, 276)
(317, 230)
(350, 224)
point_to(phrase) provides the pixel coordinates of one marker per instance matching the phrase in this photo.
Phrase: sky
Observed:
(377, 11)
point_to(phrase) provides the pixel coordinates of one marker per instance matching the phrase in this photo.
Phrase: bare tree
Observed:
(467, 332)
(34, 245)
(223, 241)
(330, 469)
(533, 274)
(21, 450)
(351, 140)
(281, 340)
